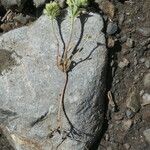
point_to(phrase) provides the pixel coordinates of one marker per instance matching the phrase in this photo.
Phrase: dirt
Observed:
(123, 129)
(122, 81)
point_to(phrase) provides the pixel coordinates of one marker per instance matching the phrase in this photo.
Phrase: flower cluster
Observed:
(75, 5)
(52, 10)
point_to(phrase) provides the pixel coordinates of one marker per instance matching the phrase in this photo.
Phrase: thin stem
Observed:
(70, 38)
(61, 102)
(54, 32)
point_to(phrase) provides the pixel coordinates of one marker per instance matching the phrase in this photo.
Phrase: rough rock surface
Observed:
(10, 3)
(31, 84)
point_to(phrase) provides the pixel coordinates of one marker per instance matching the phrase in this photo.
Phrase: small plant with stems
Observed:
(52, 10)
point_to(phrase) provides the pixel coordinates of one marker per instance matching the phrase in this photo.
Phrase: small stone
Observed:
(125, 51)
(123, 63)
(147, 64)
(123, 39)
(127, 124)
(106, 137)
(144, 31)
(117, 81)
(110, 42)
(145, 42)
(129, 113)
(146, 133)
(142, 60)
(6, 27)
(135, 62)
(127, 146)
(21, 19)
(141, 92)
(130, 43)
(136, 77)
(118, 117)
(107, 7)
(147, 80)
(112, 28)
(121, 18)
(133, 102)
(109, 148)
(146, 115)
(146, 99)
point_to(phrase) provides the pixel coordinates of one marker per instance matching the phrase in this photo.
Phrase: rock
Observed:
(32, 85)
(112, 28)
(146, 42)
(127, 124)
(147, 64)
(146, 133)
(146, 115)
(129, 113)
(146, 99)
(21, 19)
(135, 61)
(110, 42)
(39, 3)
(126, 146)
(144, 31)
(123, 63)
(107, 7)
(118, 117)
(121, 18)
(123, 39)
(130, 43)
(133, 101)
(142, 60)
(147, 80)
(6, 26)
(9, 3)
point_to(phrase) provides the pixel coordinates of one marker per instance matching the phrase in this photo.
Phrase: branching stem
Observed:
(70, 38)
(54, 32)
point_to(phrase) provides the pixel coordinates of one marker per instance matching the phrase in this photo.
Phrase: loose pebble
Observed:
(146, 133)
(118, 117)
(147, 80)
(121, 18)
(127, 124)
(110, 42)
(21, 19)
(146, 99)
(127, 146)
(123, 39)
(144, 31)
(142, 60)
(129, 113)
(112, 28)
(123, 63)
(130, 43)
(133, 102)
(147, 64)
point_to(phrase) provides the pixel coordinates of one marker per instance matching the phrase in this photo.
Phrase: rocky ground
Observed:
(127, 28)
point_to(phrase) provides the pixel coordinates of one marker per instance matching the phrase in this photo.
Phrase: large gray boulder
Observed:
(31, 84)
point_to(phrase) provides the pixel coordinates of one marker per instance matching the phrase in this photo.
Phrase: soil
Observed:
(128, 56)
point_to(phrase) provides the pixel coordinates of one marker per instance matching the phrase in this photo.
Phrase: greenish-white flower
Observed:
(52, 10)
(75, 5)
(78, 3)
